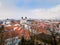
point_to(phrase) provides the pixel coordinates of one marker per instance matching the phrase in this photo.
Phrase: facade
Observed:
(6, 22)
(25, 23)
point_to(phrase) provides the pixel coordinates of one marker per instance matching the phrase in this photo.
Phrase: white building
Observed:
(25, 23)
(6, 22)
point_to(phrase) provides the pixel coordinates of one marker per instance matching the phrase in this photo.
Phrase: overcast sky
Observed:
(40, 9)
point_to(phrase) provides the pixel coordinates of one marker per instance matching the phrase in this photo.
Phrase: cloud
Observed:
(8, 9)
(43, 13)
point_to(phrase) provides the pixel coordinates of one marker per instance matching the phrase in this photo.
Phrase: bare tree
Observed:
(54, 33)
(1, 34)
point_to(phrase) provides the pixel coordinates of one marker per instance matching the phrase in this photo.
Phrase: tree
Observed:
(51, 35)
(1, 34)
(54, 33)
(22, 41)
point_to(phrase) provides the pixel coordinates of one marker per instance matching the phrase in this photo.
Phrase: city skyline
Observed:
(40, 9)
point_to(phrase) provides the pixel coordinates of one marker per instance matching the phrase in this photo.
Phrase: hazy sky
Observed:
(43, 9)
